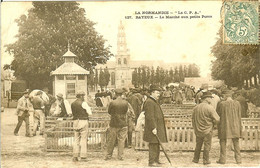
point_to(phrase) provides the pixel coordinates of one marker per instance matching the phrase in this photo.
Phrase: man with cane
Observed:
(154, 130)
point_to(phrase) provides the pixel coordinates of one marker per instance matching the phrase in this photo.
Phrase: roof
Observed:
(69, 54)
(70, 69)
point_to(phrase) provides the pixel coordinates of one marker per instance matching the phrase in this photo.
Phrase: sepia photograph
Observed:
(130, 84)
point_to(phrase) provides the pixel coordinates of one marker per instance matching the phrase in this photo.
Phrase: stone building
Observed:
(69, 77)
(121, 69)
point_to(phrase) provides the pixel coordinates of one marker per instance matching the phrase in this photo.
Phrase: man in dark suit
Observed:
(154, 125)
(136, 103)
(118, 125)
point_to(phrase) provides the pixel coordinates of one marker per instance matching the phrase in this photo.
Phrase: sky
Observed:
(170, 40)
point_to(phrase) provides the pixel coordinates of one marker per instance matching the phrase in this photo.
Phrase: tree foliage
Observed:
(235, 63)
(145, 76)
(107, 76)
(102, 78)
(43, 38)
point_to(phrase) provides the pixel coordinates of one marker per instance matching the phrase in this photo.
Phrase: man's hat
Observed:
(206, 94)
(119, 91)
(60, 95)
(80, 92)
(154, 87)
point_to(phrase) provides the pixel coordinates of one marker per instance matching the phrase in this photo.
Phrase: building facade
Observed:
(69, 77)
(121, 69)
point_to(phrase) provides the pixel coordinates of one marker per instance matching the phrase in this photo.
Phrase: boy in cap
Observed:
(81, 112)
(22, 111)
(204, 117)
(118, 125)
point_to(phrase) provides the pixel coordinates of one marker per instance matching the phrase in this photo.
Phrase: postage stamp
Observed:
(241, 22)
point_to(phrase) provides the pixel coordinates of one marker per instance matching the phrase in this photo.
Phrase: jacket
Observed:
(154, 119)
(230, 125)
(23, 106)
(118, 110)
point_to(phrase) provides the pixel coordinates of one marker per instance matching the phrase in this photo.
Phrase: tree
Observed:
(167, 77)
(181, 73)
(102, 79)
(91, 81)
(196, 70)
(185, 71)
(143, 76)
(162, 77)
(153, 80)
(176, 75)
(135, 78)
(190, 74)
(106, 76)
(235, 63)
(139, 76)
(43, 38)
(171, 75)
(96, 78)
(148, 77)
(157, 76)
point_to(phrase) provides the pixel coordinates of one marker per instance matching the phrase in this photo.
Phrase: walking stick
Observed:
(163, 150)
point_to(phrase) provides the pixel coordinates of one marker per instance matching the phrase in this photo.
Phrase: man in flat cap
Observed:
(22, 111)
(230, 125)
(118, 125)
(204, 117)
(154, 125)
(81, 112)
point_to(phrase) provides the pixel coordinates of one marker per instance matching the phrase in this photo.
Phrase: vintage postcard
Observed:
(130, 84)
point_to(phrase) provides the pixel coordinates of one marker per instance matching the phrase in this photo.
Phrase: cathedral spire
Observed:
(121, 40)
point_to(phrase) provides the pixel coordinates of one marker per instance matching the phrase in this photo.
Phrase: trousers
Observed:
(223, 146)
(24, 117)
(39, 116)
(206, 140)
(118, 134)
(154, 152)
(80, 141)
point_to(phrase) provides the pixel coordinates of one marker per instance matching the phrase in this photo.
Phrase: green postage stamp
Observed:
(241, 22)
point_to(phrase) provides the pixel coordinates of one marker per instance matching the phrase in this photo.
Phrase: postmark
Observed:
(241, 22)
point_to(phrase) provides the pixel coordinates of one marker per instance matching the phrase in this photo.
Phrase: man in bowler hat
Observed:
(154, 125)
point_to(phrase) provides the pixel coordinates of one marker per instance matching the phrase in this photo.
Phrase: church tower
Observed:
(123, 71)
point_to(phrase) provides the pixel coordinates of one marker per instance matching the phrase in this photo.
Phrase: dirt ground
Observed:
(24, 152)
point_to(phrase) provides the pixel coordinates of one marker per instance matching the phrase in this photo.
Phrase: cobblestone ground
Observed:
(23, 152)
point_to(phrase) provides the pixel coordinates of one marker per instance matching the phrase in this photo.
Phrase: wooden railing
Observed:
(181, 135)
(61, 136)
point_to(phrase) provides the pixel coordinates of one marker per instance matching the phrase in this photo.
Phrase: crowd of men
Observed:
(221, 108)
